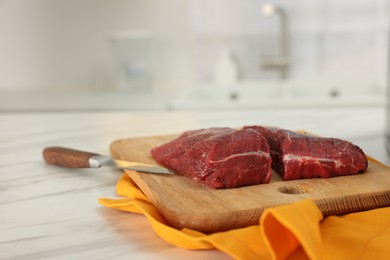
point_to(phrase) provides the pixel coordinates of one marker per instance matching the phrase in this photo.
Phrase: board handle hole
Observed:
(295, 189)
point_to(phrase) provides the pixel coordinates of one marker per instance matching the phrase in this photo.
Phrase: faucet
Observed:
(281, 61)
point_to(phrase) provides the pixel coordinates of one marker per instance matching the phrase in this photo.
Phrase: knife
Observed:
(71, 158)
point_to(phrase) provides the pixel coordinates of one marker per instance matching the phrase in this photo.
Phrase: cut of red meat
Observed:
(297, 156)
(218, 157)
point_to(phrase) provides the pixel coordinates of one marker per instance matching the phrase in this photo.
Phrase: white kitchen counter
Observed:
(172, 100)
(48, 212)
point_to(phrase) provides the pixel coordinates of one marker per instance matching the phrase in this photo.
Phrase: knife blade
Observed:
(71, 158)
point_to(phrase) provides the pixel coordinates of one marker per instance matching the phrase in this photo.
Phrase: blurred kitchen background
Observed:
(61, 55)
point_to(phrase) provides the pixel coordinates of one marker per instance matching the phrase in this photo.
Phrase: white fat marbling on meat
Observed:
(257, 153)
(292, 157)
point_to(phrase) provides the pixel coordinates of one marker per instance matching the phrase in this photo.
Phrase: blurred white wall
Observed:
(329, 40)
(63, 44)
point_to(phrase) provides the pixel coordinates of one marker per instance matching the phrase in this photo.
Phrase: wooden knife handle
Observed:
(67, 157)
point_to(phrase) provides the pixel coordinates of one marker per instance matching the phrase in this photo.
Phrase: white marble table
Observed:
(53, 213)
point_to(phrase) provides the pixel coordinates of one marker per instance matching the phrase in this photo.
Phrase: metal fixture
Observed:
(281, 61)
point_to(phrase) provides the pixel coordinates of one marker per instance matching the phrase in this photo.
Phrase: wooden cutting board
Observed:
(187, 204)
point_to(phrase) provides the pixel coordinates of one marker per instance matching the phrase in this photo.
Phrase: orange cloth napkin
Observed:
(294, 231)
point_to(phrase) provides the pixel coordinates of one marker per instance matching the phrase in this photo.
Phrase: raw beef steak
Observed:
(297, 156)
(218, 157)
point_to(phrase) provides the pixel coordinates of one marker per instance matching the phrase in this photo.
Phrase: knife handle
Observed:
(67, 157)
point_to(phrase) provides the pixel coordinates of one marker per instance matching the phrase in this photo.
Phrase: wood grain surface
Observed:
(187, 204)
